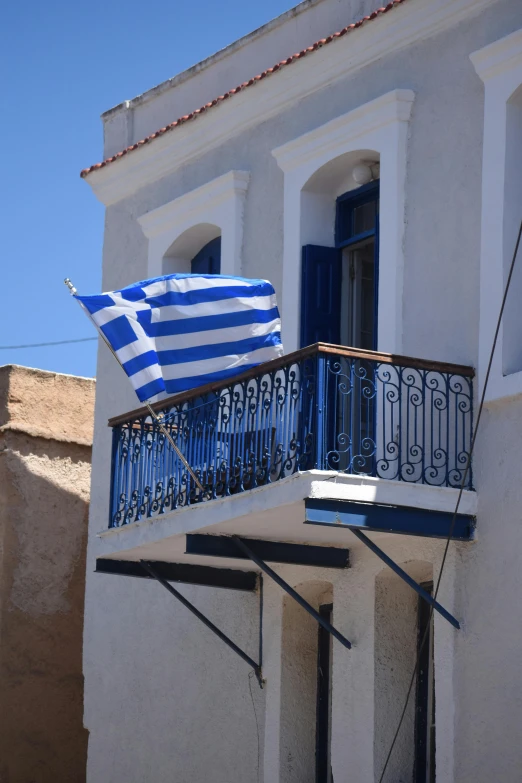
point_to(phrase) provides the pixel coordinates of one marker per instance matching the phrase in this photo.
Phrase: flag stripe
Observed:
(203, 309)
(149, 390)
(177, 385)
(138, 363)
(202, 296)
(184, 355)
(216, 336)
(189, 282)
(213, 364)
(119, 332)
(206, 323)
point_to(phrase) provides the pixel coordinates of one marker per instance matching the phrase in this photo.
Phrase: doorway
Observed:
(323, 734)
(339, 285)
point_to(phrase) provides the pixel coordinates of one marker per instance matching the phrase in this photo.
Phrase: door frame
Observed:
(345, 238)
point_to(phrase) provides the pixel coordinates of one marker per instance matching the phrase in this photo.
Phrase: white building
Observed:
(375, 178)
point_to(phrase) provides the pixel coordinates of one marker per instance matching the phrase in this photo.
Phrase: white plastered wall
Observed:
(378, 128)
(357, 746)
(214, 208)
(499, 65)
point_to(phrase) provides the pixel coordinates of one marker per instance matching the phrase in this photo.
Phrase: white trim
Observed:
(219, 202)
(389, 33)
(381, 126)
(499, 65)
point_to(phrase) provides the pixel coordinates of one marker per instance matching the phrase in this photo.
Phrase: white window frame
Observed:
(219, 202)
(499, 65)
(382, 126)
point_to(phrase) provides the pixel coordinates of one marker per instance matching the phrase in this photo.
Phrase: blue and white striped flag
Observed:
(180, 331)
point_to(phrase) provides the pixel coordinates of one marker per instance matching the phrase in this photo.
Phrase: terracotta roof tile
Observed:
(293, 58)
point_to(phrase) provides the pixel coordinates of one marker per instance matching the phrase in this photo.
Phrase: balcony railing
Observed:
(324, 407)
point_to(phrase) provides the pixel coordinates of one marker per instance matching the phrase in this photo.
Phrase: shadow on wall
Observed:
(299, 683)
(396, 636)
(44, 531)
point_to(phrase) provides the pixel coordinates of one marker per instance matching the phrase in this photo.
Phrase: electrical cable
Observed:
(459, 497)
(44, 345)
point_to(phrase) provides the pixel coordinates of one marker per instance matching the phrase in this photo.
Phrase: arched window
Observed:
(196, 250)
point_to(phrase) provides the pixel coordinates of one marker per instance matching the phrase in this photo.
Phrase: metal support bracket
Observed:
(242, 544)
(257, 667)
(403, 575)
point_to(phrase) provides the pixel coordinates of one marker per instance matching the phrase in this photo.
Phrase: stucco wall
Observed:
(395, 652)
(184, 685)
(46, 404)
(44, 494)
(488, 697)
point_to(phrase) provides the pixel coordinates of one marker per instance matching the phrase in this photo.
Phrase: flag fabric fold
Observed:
(180, 331)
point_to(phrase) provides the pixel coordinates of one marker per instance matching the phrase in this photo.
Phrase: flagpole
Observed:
(152, 412)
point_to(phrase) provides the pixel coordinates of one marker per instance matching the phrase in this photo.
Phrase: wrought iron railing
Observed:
(323, 407)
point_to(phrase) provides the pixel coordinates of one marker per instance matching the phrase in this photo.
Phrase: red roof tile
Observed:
(293, 58)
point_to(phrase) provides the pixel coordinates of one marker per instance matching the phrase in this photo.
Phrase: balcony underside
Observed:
(277, 513)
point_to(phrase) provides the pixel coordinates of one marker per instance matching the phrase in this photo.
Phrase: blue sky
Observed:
(64, 63)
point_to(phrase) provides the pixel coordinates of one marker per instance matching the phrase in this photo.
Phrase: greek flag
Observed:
(180, 331)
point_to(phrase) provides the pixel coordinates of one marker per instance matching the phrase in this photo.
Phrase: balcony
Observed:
(323, 408)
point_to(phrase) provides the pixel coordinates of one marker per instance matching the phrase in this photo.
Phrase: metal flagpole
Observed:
(152, 412)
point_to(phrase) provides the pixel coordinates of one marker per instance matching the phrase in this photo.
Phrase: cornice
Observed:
(497, 58)
(394, 106)
(207, 196)
(386, 35)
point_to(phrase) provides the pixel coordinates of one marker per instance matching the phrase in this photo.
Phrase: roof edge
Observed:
(207, 62)
(269, 72)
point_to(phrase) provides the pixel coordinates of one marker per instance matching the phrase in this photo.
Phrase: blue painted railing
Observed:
(324, 407)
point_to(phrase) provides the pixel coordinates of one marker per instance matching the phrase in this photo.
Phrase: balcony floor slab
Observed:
(275, 512)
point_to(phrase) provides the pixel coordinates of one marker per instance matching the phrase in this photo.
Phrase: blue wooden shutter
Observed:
(208, 260)
(320, 295)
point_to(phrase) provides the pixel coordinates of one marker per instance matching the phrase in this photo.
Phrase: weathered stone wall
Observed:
(45, 453)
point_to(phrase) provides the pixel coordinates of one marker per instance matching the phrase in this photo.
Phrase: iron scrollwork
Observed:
(322, 410)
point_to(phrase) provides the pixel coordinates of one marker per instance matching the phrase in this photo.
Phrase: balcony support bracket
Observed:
(257, 667)
(184, 573)
(403, 575)
(382, 518)
(243, 546)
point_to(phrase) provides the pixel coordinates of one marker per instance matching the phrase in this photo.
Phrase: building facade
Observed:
(46, 422)
(374, 178)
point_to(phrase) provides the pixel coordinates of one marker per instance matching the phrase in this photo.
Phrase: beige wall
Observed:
(45, 453)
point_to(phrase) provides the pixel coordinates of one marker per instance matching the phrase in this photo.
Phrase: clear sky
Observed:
(63, 63)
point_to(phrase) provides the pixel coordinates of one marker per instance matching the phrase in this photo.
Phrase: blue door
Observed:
(208, 260)
(320, 295)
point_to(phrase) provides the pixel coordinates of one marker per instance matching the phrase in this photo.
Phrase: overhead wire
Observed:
(459, 498)
(44, 345)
